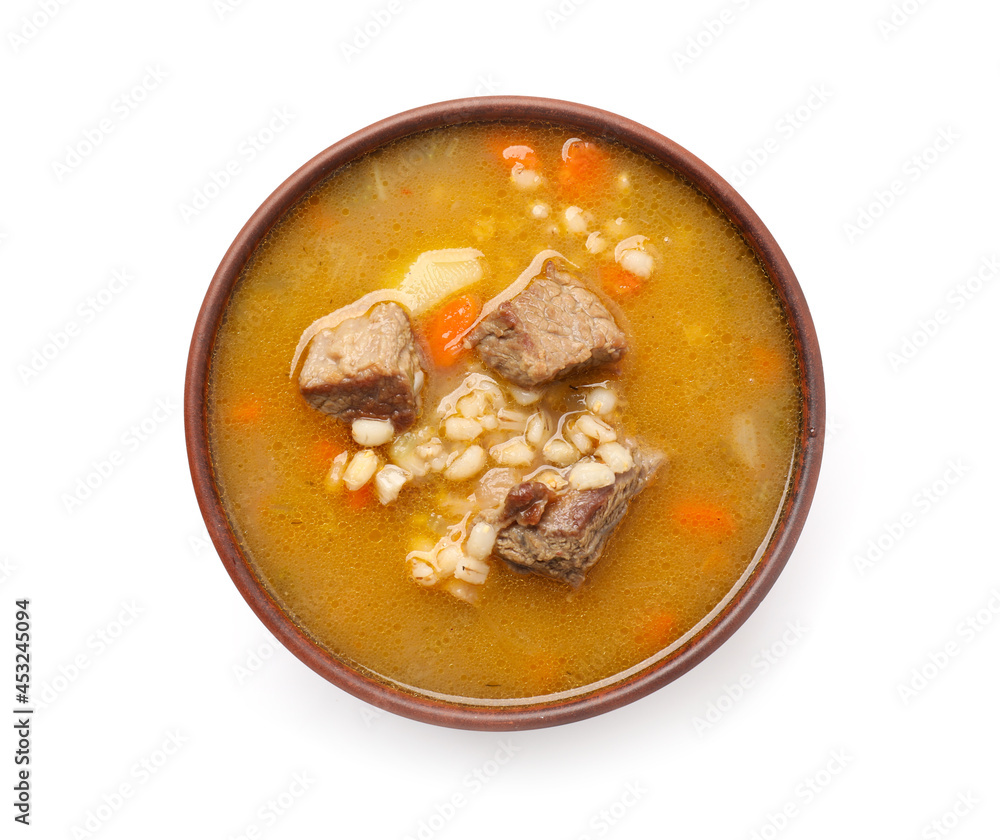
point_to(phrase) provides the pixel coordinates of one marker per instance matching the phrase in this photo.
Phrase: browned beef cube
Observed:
(526, 502)
(365, 367)
(553, 328)
(571, 532)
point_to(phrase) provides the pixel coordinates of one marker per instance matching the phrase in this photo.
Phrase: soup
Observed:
(695, 403)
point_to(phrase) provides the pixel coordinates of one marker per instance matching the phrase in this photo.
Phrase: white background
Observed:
(143, 650)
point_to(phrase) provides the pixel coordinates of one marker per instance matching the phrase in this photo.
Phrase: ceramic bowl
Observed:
(631, 685)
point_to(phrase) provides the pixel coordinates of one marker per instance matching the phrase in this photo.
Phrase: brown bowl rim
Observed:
(576, 117)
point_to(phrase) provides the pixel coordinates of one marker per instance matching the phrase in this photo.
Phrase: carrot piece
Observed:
(618, 282)
(584, 169)
(320, 219)
(704, 518)
(361, 498)
(322, 453)
(446, 326)
(247, 410)
(655, 631)
(766, 364)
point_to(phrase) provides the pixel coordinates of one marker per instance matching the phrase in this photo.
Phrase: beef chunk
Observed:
(526, 502)
(569, 536)
(365, 367)
(556, 326)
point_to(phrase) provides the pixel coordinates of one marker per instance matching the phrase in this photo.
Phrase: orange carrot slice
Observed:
(319, 219)
(619, 283)
(766, 364)
(247, 410)
(584, 169)
(655, 631)
(360, 498)
(446, 326)
(705, 518)
(322, 453)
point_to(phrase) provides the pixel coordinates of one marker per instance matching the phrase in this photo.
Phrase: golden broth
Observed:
(709, 348)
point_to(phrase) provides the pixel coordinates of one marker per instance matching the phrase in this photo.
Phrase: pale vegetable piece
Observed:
(525, 179)
(551, 479)
(472, 405)
(615, 456)
(518, 152)
(540, 210)
(417, 451)
(513, 453)
(595, 429)
(577, 219)
(433, 454)
(596, 242)
(462, 429)
(467, 464)
(569, 145)
(453, 504)
(403, 453)
(745, 440)
(460, 589)
(436, 275)
(421, 571)
(360, 470)
(481, 387)
(581, 441)
(560, 452)
(537, 430)
(336, 473)
(512, 420)
(480, 542)
(638, 263)
(525, 396)
(590, 475)
(367, 432)
(631, 255)
(449, 558)
(389, 481)
(630, 243)
(601, 400)
(472, 571)
(494, 486)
